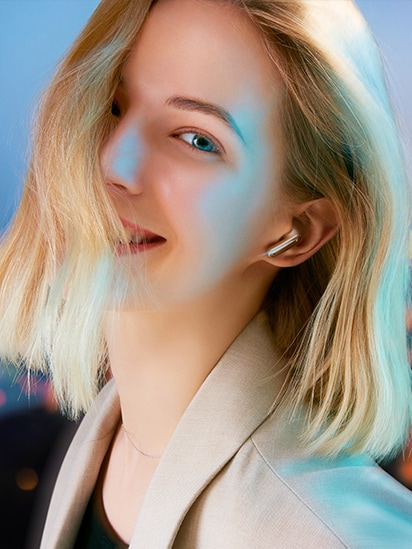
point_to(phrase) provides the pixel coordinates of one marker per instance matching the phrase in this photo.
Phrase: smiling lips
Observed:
(140, 239)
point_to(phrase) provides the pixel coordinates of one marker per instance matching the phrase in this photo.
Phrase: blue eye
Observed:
(203, 143)
(199, 142)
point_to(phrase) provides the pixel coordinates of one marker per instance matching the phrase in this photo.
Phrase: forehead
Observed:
(204, 49)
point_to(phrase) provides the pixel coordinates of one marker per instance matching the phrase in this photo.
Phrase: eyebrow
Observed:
(187, 104)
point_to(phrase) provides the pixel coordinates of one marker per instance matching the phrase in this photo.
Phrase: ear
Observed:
(316, 222)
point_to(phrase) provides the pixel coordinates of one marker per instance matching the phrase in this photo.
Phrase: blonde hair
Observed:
(339, 317)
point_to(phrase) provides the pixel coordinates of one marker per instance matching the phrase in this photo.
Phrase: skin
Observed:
(211, 191)
(212, 208)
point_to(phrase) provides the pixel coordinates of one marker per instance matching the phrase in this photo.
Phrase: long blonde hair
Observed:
(339, 317)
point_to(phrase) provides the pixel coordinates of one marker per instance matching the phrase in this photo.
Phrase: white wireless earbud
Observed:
(284, 245)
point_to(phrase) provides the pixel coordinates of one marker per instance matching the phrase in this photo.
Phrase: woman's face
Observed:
(193, 164)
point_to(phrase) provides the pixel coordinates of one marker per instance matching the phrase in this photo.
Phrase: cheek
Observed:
(231, 210)
(223, 210)
(238, 205)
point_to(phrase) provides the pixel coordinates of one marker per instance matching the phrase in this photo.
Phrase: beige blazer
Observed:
(234, 475)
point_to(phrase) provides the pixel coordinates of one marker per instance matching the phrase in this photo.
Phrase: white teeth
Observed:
(136, 239)
(133, 238)
(129, 234)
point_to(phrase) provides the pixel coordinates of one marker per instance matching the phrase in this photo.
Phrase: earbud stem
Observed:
(284, 245)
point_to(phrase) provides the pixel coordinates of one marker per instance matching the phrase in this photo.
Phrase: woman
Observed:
(217, 219)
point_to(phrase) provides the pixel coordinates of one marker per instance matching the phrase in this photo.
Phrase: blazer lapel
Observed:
(80, 469)
(233, 401)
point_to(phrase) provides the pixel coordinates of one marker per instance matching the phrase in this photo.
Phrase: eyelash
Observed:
(219, 150)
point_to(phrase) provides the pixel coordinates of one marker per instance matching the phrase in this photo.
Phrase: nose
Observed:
(121, 159)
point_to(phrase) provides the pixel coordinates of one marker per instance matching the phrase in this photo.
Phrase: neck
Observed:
(159, 360)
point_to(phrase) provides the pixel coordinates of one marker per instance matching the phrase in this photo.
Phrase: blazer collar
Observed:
(234, 400)
(80, 469)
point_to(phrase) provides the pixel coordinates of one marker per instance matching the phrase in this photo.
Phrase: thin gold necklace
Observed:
(150, 456)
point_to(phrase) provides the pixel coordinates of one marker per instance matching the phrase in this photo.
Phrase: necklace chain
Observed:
(150, 456)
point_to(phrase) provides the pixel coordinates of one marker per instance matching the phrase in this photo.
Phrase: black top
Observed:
(95, 531)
